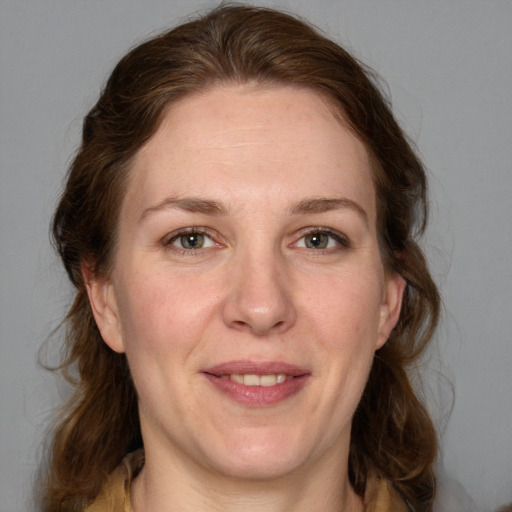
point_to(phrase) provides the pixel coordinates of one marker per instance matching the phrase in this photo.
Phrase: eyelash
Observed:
(168, 241)
(340, 239)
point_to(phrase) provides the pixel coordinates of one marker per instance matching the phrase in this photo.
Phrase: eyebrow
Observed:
(326, 204)
(188, 204)
(211, 207)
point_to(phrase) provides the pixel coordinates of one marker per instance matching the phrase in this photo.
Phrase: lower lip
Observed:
(258, 396)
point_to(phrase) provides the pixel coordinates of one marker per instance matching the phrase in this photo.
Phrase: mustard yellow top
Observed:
(115, 495)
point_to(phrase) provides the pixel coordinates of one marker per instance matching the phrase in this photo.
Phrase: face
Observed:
(248, 291)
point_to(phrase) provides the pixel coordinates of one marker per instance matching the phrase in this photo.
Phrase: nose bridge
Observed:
(260, 298)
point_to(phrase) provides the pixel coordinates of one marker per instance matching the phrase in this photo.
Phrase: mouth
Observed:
(252, 379)
(257, 384)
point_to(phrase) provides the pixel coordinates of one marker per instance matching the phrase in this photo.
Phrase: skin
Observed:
(258, 290)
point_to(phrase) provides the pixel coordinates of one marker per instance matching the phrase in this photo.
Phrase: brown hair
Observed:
(392, 434)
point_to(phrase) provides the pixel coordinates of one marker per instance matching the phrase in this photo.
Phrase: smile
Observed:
(257, 384)
(251, 379)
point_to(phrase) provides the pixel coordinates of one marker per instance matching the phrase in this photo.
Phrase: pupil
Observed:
(317, 241)
(192, 241)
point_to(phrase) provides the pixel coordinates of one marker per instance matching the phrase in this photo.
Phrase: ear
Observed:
(102, 299)
(390, 308)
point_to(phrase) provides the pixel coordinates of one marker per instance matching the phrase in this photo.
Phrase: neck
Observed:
(175, 487)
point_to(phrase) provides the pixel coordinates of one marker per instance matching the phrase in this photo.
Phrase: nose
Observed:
(260, 298)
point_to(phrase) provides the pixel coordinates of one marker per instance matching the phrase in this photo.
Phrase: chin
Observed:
(261, 469)
(254, 456)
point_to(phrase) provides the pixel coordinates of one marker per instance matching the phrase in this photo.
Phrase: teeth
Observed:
(251, 380)
(259, 380)
(267, 380)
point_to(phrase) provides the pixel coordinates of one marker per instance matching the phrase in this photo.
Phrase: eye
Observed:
(320, 239)
(191, 240)
(317, 241)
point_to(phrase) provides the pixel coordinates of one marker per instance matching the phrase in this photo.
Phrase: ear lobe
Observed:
(104, 308)
(390, 307)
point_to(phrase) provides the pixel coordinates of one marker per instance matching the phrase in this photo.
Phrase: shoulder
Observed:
(115, 495)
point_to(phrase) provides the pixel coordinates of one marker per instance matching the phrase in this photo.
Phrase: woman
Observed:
(240, 225)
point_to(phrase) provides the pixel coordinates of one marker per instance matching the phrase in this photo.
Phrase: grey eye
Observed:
(317, 241)
(192, 240)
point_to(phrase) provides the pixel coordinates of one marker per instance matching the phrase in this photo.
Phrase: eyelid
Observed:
(171, 237)
(342, 239)
(339, 237)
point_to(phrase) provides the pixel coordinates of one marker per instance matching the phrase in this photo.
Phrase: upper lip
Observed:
(256, 368)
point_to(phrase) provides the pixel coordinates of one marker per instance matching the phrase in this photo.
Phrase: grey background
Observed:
(449, 69)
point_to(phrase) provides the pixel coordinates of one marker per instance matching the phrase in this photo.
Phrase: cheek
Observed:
(138, 305)
(347, 322)
(159, 313)
(347, 307)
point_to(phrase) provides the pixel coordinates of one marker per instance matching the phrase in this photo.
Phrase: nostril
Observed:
(239, 324)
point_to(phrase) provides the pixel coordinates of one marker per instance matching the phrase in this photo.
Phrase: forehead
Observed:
(236, 142)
